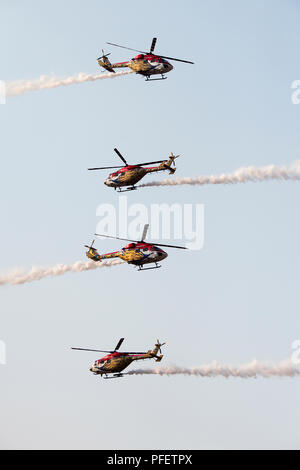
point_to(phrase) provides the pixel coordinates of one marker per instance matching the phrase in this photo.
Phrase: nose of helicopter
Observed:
(168, 67)
(162, 255)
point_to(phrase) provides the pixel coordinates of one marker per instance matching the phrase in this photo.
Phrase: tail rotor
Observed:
(104, 56)
(159, 345)
(91, 246)
(172, 162)
(92, 253)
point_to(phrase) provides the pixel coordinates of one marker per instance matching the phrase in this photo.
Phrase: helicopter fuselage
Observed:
(137, 254)
(116, 362)
(149, 64)
(129, 175)
(112, 363)
(145, 64)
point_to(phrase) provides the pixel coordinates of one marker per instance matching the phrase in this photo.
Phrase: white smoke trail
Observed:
(36, 274)
(247, 371)
(242, 175)
(46, 82)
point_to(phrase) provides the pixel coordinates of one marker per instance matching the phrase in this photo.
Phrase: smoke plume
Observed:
(247, 371)
(47, 82)
(36, 274)
(242, 175)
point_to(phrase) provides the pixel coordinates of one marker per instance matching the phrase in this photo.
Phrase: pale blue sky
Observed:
(235, 300)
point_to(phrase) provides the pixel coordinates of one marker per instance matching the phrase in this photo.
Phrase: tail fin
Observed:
(167, 165)
(157, 349)
(92, 253)
(104, 62)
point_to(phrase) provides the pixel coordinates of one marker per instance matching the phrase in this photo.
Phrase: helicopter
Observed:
(137, 253)
(129, 175)
(115, 362)
(145, 63)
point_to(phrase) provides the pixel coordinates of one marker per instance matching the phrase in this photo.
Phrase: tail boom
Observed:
(105, 63)
(165, 165)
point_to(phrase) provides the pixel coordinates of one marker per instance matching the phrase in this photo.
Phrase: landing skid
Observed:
(154, 79)
(133, 188)
(141, 268)
(115, 376)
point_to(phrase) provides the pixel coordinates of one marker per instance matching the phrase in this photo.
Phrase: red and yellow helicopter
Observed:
(130, 175)
(115, 362)
(137, 253)
(145, 63)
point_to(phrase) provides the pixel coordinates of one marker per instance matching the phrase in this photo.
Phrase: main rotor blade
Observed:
(133, 352)
(119, 344)
(177, 60)
(92, 350)
(150, 163)
(109, 352)
(126, 239)
(158, 161)
(170, 246)
(153, 45)
(128, 48)
(116, 238)
(121, 156)
(145, 232)
(106, 168)
(144, 52)
(122, 166)
(138, 241)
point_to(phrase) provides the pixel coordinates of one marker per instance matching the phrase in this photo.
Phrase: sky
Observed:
(235, 300)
